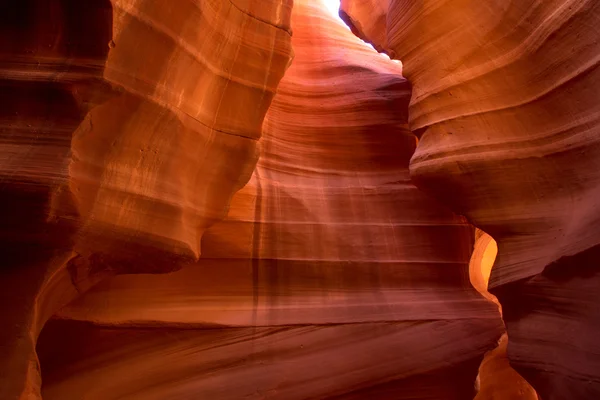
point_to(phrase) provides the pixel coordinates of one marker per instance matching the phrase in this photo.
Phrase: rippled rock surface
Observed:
(126, 128)
(505, 100)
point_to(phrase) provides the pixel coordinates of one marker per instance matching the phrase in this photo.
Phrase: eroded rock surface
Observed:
(332, 277)
(177, 264)
(505, 99)
(126, 128)
(496, 379)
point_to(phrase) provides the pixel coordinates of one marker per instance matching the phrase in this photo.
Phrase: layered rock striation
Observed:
(333, 276)
(126, 126)
(505, 102)
(198, 217)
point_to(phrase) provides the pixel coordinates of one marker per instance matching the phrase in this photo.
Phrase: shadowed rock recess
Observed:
(239, 199)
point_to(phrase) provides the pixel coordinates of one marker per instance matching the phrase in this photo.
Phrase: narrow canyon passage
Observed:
(242, 199)
(332, 275)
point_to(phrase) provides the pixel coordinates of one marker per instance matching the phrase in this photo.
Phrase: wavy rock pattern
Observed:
(115, 115)
(332, 277)
(505, 99)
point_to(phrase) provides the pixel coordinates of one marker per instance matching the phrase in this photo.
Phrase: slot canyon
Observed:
(300, 199)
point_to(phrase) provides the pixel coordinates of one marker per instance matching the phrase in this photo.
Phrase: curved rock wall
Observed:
(332, 277)
(128, 126)
(505, 101)
(115, 115)
(496, 379)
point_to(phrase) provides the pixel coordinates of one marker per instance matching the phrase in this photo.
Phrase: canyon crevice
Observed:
(239, 199)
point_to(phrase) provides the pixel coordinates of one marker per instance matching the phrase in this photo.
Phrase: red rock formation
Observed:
(129, 125)
(332, 277)
(115, 117)
(505, 101)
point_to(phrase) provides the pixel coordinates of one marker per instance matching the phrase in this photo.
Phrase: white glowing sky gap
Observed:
(332, 6)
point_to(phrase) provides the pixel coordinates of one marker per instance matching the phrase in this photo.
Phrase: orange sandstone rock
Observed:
(333, 276)
(505, 102)
(126, 128)
(496, 379)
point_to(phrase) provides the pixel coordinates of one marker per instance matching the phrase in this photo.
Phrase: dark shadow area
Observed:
(41, 43)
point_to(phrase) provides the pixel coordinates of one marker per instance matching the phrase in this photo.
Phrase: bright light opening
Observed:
(333, 6)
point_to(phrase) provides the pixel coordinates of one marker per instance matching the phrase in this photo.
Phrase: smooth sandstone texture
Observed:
(333, 276)
(496, 379)
(505, 100)
(481, 263)
(126, 128)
